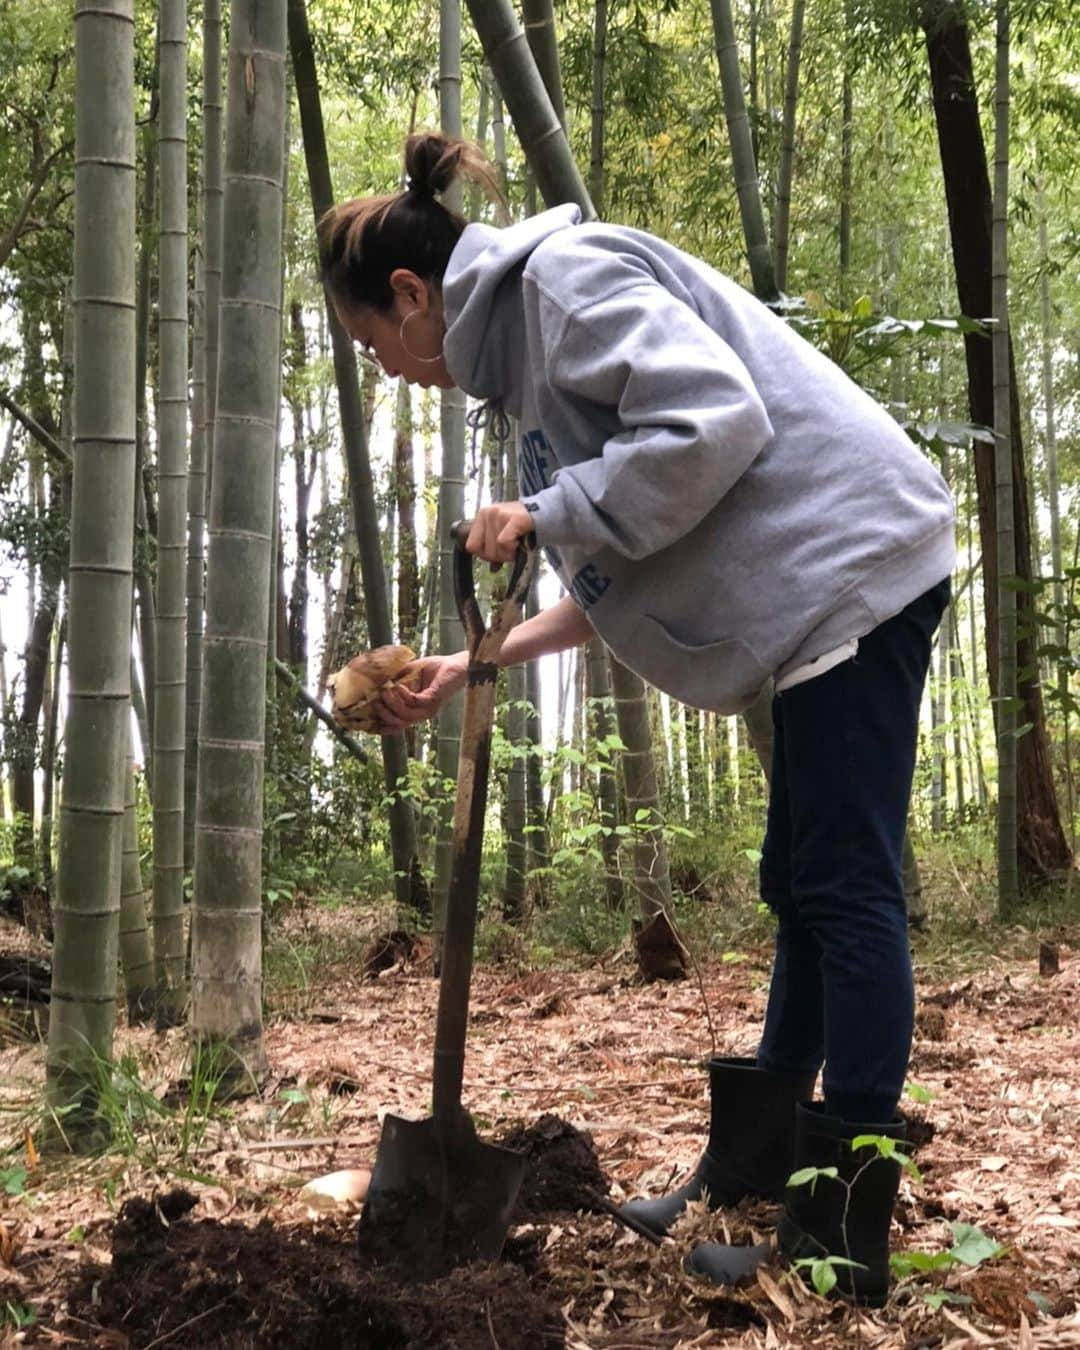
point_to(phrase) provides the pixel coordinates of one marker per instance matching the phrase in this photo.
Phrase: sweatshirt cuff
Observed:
(550, 516)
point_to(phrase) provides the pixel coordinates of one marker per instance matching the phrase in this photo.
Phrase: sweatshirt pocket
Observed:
(723, 676)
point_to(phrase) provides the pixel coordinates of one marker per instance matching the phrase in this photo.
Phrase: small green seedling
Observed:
(13, 1180)
(823, 1270)
(809, 1176)
(18, 1315)
(971, 1247)
(941, 1296)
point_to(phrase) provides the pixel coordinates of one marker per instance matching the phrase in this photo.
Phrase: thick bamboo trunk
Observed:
(226, 975)
(86, 912)
(539, 129)
(169, 695)
(202, 464)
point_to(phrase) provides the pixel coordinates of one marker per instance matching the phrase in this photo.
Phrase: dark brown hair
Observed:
(361, 242)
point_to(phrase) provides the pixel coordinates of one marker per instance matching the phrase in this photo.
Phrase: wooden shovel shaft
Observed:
(470, 807)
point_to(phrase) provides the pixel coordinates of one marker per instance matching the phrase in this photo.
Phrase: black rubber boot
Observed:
(814, 1223)
(751, 1142)
(847, 1217)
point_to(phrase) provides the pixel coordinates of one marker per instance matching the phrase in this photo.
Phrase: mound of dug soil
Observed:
(563, 1173)
(202, 1283)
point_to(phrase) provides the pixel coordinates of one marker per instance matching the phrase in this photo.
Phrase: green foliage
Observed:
(13, 1180)
(18, 1315)
(823, 1270)
(809, 1176)
(134, 1118)
(970, 1248)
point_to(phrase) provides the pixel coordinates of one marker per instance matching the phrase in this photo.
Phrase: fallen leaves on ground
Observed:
(999, 1055)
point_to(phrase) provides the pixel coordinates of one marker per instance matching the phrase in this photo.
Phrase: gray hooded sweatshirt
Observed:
(722, 500)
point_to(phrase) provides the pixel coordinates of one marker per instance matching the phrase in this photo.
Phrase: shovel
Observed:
(439, 1197)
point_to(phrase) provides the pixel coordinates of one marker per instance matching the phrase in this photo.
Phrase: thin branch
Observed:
(47, 442)
(286, 676)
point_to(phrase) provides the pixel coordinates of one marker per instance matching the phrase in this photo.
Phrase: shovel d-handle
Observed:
(504, 616)
(469, 808)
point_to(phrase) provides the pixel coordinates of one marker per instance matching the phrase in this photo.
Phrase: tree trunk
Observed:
(742, 153)
(1041, 843)
(145, 599)
(86, 911)
(539, 129)
(954, 710)
(22, 749)
(226, 976)
(539, 20)
(782, 222)
(846, 154)
(599, 687)
(169, 696)
(659, 951)
(48, 765)
(539, 851)
(136, 957)
(939, 705)
(451, 491)
(597, 127)
(409, 884)
(1053, 491)
(304, 467)
(202, 465)
(196, 561)
(408, 580)
(1007, 725)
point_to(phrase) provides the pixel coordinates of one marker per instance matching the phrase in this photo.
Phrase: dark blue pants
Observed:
(843, 760)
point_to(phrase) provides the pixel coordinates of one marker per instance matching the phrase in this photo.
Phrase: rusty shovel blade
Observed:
(439, 1198)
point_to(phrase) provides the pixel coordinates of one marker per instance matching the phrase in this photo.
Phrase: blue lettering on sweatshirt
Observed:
(588, 586)
(535, 461)
(534, 466)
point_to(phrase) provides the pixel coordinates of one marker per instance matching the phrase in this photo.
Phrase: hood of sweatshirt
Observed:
(482, 303)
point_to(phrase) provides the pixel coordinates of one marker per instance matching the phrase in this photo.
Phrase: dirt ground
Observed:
(599, 1079)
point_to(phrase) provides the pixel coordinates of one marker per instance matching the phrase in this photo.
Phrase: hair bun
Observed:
(431, 163)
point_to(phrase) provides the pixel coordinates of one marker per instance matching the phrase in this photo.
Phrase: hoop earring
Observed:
(424, 360)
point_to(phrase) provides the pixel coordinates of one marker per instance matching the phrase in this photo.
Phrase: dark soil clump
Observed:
(389, 949)
(563, 1173)
(201, 1283)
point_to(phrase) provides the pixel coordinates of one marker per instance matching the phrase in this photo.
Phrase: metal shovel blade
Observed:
(439, 1197)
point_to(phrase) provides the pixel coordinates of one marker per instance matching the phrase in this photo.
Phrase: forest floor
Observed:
(192, 1232)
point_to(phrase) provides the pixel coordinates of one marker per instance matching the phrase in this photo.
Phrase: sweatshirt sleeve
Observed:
(691, 421)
